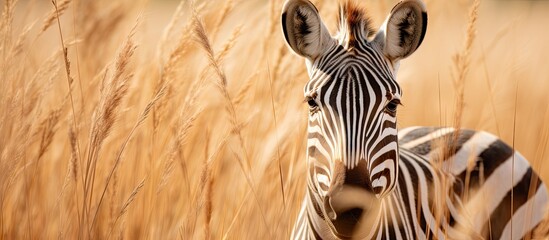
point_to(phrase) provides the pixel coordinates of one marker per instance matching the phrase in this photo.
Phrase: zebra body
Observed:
(366, 179)
(478, 216)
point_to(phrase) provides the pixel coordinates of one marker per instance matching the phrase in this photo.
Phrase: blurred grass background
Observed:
(156, 133)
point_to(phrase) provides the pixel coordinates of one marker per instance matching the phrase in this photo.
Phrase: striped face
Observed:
(352, 95)
(353, 98)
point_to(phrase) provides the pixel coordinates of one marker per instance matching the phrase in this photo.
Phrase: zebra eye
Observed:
(313, 106)
(312, 103)
(392, 106)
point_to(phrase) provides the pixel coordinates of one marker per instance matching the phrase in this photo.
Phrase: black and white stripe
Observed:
(365, 179)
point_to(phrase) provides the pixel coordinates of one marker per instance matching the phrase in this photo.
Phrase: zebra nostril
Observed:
(330, 211)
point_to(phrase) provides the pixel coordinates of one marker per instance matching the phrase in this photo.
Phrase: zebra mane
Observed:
(354, 24)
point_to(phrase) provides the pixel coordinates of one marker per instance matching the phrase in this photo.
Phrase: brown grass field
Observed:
(166, 120)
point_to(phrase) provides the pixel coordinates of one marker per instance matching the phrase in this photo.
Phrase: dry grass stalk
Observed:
(178, 142)
(203, 40)
(253, 189)
(236, 215)
(245, 90)
(126, 205)
(166, 34)
(168, 75)
(199, 196)
(491, 91)
(227, 8)
(54, 14)
(131, 198)
(69, 85)
(47, 129)
(228, 45)
(206, 183)
(221, 83)
(176, 54)
(113, 91)
(461, 62)
(6, 23)
(471, 164)
(277, 142)
(43, 80)
(187, 117)
(65, 50)
(272, 28)
(112, 188)
(71, 175)
(74, 154)
(18, 46)
(6, 39)
(142, 117)
(170, 27)
(282, 52)
(101, 18)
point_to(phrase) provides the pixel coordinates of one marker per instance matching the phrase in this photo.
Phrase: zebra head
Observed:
(352, 92)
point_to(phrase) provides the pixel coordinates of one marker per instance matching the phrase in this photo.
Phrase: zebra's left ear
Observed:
(403, 30)
(304, 30)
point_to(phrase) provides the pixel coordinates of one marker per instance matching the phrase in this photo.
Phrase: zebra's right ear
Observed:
(303, 29)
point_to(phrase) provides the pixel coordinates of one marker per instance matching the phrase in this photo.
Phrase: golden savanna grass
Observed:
(166, 119)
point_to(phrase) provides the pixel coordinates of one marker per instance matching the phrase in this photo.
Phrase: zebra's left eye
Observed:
(392, 106)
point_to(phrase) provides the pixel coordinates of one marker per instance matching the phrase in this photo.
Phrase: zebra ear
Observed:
(404, 29)
(303, 29)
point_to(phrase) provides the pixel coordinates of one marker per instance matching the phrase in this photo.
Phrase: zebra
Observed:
(365, 179)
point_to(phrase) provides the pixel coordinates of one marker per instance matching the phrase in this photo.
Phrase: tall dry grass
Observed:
(120, 121)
